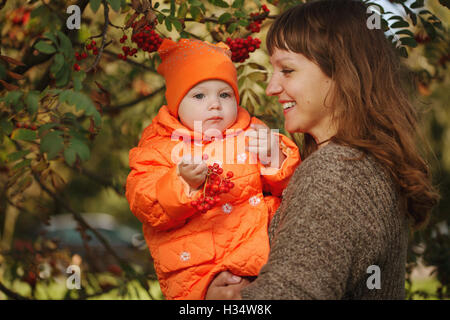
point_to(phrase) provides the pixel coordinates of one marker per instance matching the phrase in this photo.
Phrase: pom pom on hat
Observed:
(188, 62)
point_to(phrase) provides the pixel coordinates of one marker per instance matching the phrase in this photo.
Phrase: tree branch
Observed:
(11, 294)
(105, 29)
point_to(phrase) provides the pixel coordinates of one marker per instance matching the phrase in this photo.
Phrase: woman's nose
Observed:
(274, 87)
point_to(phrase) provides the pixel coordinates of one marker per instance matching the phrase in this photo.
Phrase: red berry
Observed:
(229, 174)
(84, 55)
(194, 203)
(93, 43)
(89, 47)
(76, 67)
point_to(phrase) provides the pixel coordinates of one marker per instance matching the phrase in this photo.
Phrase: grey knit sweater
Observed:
(337, 218)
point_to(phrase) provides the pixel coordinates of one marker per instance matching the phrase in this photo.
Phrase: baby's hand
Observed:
(193, 172)
(263, 143)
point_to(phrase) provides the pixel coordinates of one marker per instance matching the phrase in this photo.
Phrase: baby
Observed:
(190, 246)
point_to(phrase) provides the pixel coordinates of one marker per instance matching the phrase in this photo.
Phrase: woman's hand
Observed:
(193, 172)
(263, 143)
(226, 286)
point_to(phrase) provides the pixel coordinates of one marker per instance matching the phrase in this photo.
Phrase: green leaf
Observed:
(44, 47)
(396, 18)
(400, 24)
(46, 127)
(17, 155)
(24, 134)
(52, 143)
(172, 8)
(160, 17)
(240, 14)
(403, 52)
(81, 148)
(81, 102)
(176, 23)
(66, 45)
(115, 4)
(243, 23)
(22, 164)
(52, 37)
(6, 126)
(78, 79)
(168, 24)
(95, 4)
(409, 41)
(237, 4)
(225, 17)
(32, 101)
(13, 97)
(417, 4)
(70, 155)
(184, 35)
(232, 27)
(405, 31)
(219, 3)
(195, 3)
(182, 11)
(63, 76)
(195, 13)
(58, 62)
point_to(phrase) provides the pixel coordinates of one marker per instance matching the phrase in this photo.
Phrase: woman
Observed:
(341, 231)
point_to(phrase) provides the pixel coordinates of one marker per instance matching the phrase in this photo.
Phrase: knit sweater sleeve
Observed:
(317, 234)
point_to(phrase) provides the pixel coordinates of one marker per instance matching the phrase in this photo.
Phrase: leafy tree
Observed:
(74, 101)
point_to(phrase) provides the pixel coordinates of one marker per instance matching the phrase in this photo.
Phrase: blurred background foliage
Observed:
(65, 134)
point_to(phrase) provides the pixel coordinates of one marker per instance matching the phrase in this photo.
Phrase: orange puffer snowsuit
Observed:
(190, 248)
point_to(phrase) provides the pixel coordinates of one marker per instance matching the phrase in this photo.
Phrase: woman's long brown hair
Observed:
(370, 107)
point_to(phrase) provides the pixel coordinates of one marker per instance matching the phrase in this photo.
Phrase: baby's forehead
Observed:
(212, 85)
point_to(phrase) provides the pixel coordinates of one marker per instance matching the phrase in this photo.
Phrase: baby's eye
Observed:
(225, 95)
(199, 96)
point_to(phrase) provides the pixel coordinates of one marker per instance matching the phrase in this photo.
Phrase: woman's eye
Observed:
(199, 96)
(286, 71)
(225, 95)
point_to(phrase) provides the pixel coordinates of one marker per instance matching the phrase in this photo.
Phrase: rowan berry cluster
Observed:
(147, 39)
(240, 47)
(215, 185)
(90, 46)
(26, 126)
(255, 26)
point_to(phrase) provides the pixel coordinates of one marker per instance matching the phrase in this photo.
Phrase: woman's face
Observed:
(304, 91)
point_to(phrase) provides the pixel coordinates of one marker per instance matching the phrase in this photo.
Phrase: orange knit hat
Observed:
(187, 62)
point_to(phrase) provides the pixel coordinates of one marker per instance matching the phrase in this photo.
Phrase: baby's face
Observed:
(213, 103)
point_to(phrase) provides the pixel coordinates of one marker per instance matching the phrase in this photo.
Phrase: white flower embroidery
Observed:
(227, 208)
(185, 256)
(254, 201)
(241, 157)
